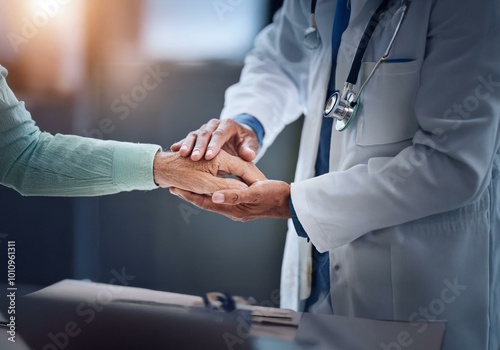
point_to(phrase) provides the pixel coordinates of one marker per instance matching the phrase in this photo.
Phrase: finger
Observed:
(204, 202)
(218, 184)
(224, 131)
(249, 172)
(204, 137)
(187, 195)
(199, 200)
(236, 166)
(173, 190)
(227, 184)
(175, 147)
(248, 149)
(194, 198)
(186, 145)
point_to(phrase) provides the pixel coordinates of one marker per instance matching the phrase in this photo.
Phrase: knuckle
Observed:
(227, 123)
(219, 132)
(215, 164)
(213, 122)
(204, 133)
(233, 198)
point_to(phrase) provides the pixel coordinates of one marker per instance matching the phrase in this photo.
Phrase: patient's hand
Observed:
(172, 170)
(263, 199)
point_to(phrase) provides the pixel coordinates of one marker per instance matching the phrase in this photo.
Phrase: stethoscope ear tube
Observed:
(365, 39)
(312, 39)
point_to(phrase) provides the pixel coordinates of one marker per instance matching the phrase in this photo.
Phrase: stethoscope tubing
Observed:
(343, 106)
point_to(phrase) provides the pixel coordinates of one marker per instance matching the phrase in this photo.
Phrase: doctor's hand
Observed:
(170, 169)
(210, 138)
(263, 199)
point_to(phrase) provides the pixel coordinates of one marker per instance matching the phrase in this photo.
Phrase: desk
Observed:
(83, 315)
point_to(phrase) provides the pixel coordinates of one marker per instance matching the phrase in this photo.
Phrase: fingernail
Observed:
(210, 152)
(184, 147)
(218, 198)
(196, 152)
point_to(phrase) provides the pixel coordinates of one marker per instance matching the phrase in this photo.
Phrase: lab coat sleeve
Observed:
(274, 79)
(38, 163)
(449, 162)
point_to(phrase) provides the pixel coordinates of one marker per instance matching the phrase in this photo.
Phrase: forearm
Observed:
(272, 83)
(339, 207)
(64, 165)
(36, 163)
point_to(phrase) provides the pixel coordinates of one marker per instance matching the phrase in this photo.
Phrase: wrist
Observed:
(252, 123)
(286, 202)
(163, 165)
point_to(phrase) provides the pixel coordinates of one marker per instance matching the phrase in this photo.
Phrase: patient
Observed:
(37, 163)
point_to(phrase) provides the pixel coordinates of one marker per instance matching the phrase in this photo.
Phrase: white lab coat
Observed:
(410, 210)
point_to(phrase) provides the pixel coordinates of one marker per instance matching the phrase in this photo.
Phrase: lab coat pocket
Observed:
(387, 106)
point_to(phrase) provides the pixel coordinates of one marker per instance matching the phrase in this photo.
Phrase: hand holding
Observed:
(210, 138)
(170, 169)
(263, 199)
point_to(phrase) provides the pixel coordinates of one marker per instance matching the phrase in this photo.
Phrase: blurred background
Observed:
(80, 66)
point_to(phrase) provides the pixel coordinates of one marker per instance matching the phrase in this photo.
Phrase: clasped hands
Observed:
(217, 148)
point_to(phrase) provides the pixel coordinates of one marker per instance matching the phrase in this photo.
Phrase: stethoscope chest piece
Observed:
(341, 110)
(343, 107)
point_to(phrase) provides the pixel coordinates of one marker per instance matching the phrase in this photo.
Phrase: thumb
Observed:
(248, 149)
(246, 170)
(230, 197)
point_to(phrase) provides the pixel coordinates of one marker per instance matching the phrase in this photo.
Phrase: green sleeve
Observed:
(38, 163)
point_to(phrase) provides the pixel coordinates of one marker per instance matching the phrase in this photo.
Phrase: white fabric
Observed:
(409, 211)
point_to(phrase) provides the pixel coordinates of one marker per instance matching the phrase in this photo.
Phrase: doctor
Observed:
(407, 211)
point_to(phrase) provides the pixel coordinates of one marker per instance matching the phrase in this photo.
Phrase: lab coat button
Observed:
(336, 267)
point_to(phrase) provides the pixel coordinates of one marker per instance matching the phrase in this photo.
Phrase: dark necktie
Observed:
(321, 263)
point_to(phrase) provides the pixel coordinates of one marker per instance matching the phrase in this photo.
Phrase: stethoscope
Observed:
(343, 106)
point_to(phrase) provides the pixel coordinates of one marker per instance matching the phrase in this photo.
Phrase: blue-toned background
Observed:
(73, 70)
